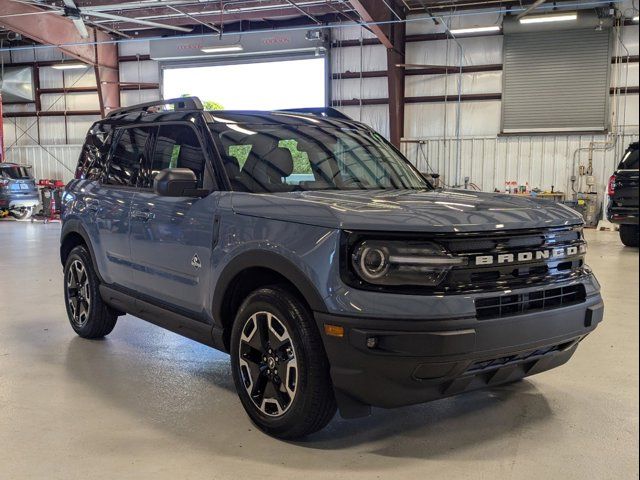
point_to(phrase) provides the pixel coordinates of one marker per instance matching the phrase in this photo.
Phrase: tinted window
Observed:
(630, 160)
(273, 158)
(177, 146)
(15, 172)
(128, 155)
(93, 159)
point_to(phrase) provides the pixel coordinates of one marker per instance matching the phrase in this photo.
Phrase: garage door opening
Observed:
(251, 86)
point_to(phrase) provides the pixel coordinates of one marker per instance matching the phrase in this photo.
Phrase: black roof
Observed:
(288, 117)
(184, 108)
(247, 117)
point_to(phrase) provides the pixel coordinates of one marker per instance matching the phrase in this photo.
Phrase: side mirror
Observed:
(177, 182)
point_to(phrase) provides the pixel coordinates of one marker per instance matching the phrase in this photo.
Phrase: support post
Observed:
(395, 80)
(390, 29)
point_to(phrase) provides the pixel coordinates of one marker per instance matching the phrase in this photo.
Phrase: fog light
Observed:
(372, 342)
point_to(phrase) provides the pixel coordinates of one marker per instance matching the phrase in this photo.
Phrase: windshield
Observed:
(274, 158)
(15, 172)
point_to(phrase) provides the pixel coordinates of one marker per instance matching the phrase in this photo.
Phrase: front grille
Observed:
(517, 274)
(517, 304)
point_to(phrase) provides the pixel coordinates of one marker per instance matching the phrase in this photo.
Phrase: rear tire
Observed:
(279, 365)
(629, 235)
(88, 315)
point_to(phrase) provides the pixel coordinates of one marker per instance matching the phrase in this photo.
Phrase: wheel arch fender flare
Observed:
(74, 226)
(272, 261)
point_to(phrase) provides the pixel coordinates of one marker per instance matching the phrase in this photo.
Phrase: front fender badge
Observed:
(195, 261)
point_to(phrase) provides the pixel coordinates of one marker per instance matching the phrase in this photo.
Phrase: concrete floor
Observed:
(146, 403)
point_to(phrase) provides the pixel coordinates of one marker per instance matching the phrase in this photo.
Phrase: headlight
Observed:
(409, 263)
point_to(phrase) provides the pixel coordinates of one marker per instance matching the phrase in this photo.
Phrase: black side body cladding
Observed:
(173, 321)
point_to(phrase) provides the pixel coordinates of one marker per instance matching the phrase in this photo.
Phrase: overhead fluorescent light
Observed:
(551, 17)
(222, 48)
(462, 31)
(69, 66)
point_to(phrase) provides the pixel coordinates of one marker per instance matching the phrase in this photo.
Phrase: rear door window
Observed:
(176, 146)
(128, 157)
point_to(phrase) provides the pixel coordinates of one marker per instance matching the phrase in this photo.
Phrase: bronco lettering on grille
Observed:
(546, 254)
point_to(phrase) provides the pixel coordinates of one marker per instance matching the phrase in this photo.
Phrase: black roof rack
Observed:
(319, 111)
(183, 103)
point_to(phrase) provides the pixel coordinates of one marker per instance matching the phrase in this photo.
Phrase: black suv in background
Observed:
(18, 191)
(623, 206)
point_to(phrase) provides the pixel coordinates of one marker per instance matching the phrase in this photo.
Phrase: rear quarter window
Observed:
(93, 158)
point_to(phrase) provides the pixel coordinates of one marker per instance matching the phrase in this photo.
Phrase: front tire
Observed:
(89, 316)
(629, 235)
(279, 365)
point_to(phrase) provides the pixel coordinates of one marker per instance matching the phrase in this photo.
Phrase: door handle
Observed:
(142, 215)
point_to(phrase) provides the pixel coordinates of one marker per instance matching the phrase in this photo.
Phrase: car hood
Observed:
(407, 210)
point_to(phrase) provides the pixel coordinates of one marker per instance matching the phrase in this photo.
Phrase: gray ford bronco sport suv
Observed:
(310, 249)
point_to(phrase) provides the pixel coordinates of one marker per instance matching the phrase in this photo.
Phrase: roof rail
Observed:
(319, 111)
(183, 103)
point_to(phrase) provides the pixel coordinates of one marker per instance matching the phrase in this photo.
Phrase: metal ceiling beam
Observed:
(213, 6)
(57, 31)
(269, 25)
(210, 26)
(372, 11)
(167, 16)
(119, 4)
(48, 28)
(118, 18)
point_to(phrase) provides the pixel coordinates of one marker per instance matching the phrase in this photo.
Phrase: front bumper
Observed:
(414, 361)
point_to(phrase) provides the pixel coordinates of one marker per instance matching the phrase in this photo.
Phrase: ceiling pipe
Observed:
(238, 7)
(531, 8)
(188, 15)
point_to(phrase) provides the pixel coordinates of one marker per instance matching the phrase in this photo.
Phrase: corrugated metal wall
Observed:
(51, 161)
(51, 130)
(52, 144)
(144, 71)
(541, 161)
